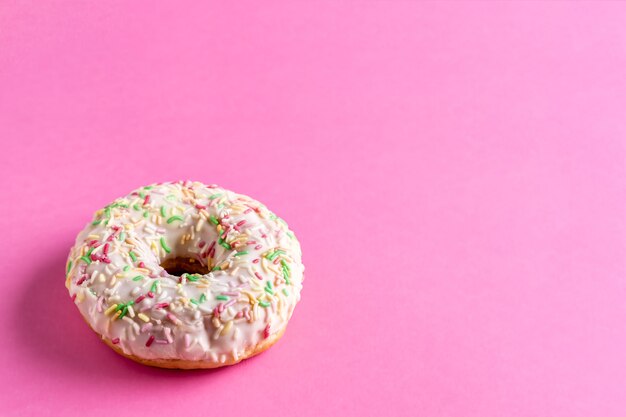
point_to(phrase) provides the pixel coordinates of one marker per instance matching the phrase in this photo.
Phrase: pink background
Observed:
(455, 173)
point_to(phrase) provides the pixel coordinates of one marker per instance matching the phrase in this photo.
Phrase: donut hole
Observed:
(180, 265)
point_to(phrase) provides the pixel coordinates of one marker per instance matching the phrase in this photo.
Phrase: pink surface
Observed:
(455, 173)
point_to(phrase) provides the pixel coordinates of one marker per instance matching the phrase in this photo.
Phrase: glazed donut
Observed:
(186, 275)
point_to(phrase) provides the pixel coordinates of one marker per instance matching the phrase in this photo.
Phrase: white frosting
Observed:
(214, 317)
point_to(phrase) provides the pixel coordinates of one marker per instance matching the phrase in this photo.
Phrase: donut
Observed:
(186, 275)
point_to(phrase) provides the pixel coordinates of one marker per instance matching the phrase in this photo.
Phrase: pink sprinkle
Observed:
(251, 242)
(162, 342)
(160, 305)
(187, 340)
(220, 307)
(142, 265)
(247, 211)
(91, 243)
(168, 334)
(230, 303)
(116, 228)
(239, 315)
(81, 280)
(212, 252)
(150, 340)
(106, 260)
(146, 327)
(200, 207)
(241, 223)
(94, 257)
(99, 305)
(74, 297)
(115, 341)
(266, 332)
(258, 276)
(146, 200)
(276, 261)
(173, 318)
(201, 244)
(216, 312)
(256, 261)
(257, 247)
(150, 294)
(105, 249)
(212, 245)
(263, 235)
(139, 299)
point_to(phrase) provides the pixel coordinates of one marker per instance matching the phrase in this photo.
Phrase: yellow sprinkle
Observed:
(93, 237)
(216, 322)
(200, 224)
(117, 314)
(80, 297)
(227, 328)
(143, 317)
(110, 309)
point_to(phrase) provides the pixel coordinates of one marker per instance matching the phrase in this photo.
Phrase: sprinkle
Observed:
(221, 297)
(136, 207)
(143, 317)
(97, 222)
(285, 292)
(173, 318)
(115, 341)
(164, 245)
(264, 304)
(132, 256)
(174, 218)
(163, 214)
(150, 340)
(146, 214)
(153, 288)
(202, 298)
(110, 309)
(69, 267)
(122, 236)
(146, 200)
(241, 223)
(126, 268)
(214, 196)
(244, 252)
(139, 299)
(266, 332)
(258, 276)
(85, 259)
(138, 277)
(161, 305)
(214, 220)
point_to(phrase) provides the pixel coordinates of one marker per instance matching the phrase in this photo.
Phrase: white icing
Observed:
(213, 329)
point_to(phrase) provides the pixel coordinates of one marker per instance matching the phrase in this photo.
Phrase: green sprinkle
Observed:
(285, 292)
(138, 277)
(194, 301)
(148, 187)
(244, 252)
(163, 214)
(202, 298)
(193, 277)
(221, 297)
(291, 235)
(269, 284)
(174, 218)
(170, 196)
(69, 267)
(269, 291)
(164, 245)
(264, 304)
(214, 220)
(145, 214)
(89, 251)
(153, 288)
(216, 268)
(273, 256)
(223, 243)
(136, 207)
(122, 236)
(97, 222)
(214, 196)
(132, 256)
(142, 194)
(86, 259)
(126, 268)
